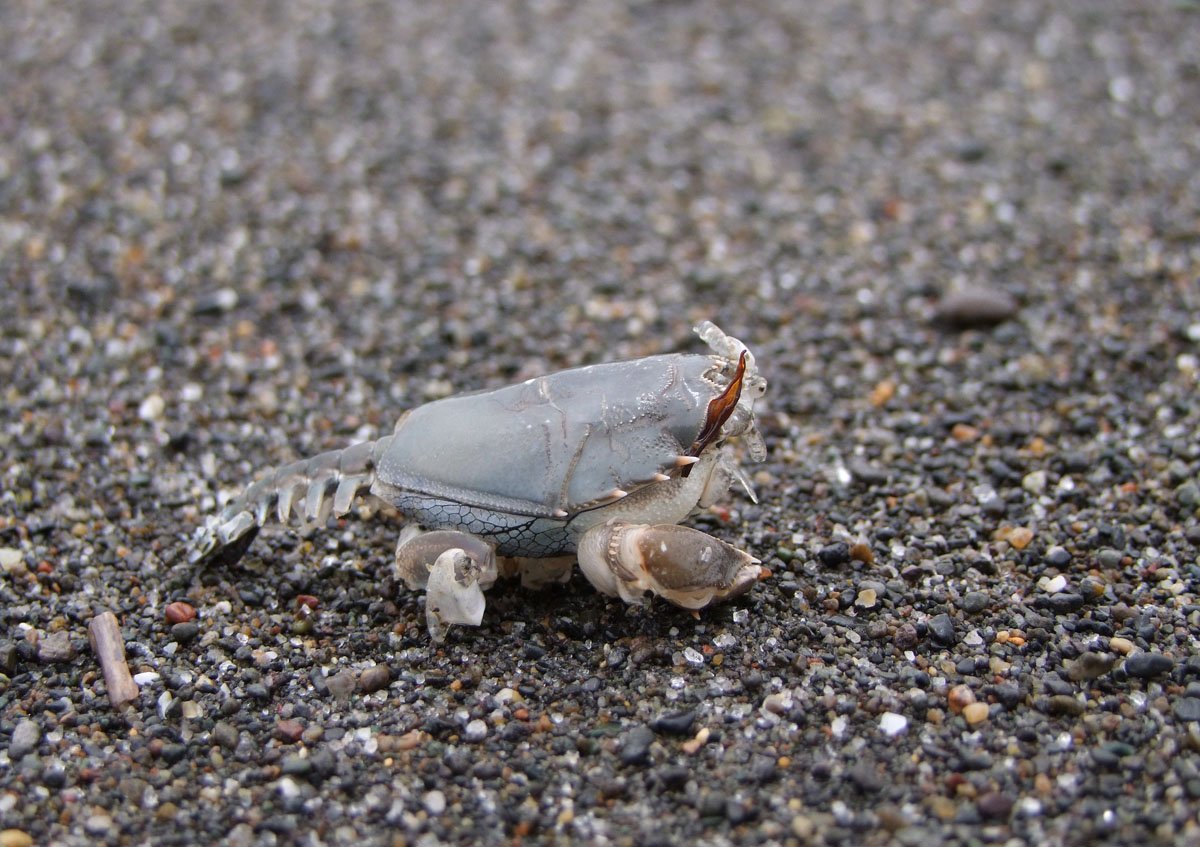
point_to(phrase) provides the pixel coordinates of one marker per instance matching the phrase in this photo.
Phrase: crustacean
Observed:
(598, 463)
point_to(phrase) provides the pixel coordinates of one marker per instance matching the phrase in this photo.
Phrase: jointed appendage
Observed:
(679, 564)
(600, 462)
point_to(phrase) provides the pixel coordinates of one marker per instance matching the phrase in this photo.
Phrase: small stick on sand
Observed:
(105, 635)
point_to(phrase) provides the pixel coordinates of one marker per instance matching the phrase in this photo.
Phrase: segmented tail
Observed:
(301, 489)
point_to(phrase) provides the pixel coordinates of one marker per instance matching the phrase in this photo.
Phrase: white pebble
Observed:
(434, 802)
(152, 408)
(1054, 585)
(778, 703)
(692, 656)
(1120, 89)
(12, 561)
(287, 788)
(1034, 483)
(98, 825)
(1029, 807)
(892, 724)
(476, 731)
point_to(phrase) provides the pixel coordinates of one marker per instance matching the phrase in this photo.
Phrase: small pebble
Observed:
(1148, 665)
(866, 778)
(152, 408)
(179, 612)
(1187, 708)
(289, 731)
(15, 838)
(1058, 557)
(892, 724)
(342, 684)
(994, 806)
(434, 802)
(25, 739)
(1053, 585)
(1065, 704)
(635, 745)
(225, 735)
(674, 723)
(475, 731)
(1090, 666)
(906, 636)
(941, 629)
(12, 561)
(976, 306)
(56, 648)
(959, 697)
(374, 679)
(98, 825)
(184, 633)
(975, 713)
(974, 601)
(834, 555)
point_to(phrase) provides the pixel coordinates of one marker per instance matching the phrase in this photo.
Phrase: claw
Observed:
(681, 565)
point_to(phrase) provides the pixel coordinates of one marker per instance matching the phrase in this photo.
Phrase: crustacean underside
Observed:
(598, 463)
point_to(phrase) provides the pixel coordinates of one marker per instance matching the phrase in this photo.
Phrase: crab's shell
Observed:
(556, 445)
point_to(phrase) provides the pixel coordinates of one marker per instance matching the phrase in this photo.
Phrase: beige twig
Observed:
(105, 635)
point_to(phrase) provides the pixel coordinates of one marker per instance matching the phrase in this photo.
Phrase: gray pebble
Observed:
(1091, 665)
(635, 745)
(225, 734)
(1187, 708)
(974, 601)
(185, 632)
(993, 507)
(1148, 665)
(342, 684)
(55, 648)
(674, 723)
(8, 657)
(25, 739)
(976, 306)
(1065, 704)
(941, 630)
(866, 778)
(296, 765)
(1058, 557)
